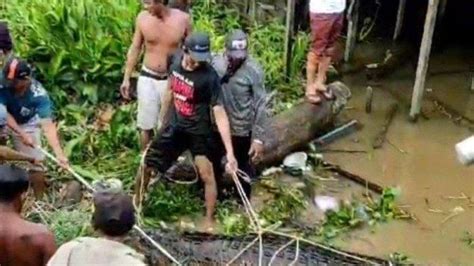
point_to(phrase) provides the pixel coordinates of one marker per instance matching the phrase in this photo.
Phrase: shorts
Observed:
(31, 128)
(150, 90)
(167, 147)
(325, 30)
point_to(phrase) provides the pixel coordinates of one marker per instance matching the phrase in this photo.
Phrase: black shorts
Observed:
(170, 144)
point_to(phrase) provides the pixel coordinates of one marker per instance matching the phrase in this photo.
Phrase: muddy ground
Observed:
(418, 158)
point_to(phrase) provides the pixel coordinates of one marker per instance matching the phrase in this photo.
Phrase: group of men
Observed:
(212, 105)
(25, 108)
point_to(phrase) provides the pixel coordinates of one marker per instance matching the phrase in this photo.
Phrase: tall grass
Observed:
(77, 46)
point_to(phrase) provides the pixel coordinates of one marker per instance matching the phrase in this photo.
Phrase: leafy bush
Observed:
(168, 202)
(78, 46)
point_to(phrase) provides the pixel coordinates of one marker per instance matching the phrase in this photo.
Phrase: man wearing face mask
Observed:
(245, 98)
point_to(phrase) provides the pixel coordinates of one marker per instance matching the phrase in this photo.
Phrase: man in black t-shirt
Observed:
(194, 89)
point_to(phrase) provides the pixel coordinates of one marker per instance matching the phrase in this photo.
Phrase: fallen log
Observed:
(288, 131)
(293, 129)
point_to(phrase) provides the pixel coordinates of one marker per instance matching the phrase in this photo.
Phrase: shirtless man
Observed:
(161, 30)
(21, 242)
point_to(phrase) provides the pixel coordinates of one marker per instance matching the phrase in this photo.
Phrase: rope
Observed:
(280, 250)
(260, 231)
(87, 185)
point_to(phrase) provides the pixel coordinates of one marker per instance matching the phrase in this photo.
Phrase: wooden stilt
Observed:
(290, 12)
(400, 18)
(423, 60)
(352, 29)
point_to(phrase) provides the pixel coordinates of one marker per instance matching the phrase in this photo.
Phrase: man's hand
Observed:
(63, 162)
(256, 150)
(27, 140)
(231, 166)
(125, 89)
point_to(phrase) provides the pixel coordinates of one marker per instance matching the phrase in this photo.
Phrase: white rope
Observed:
(86, 184)
(260, 232)
(280, 250)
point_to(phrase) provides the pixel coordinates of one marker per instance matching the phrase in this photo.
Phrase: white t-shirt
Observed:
(87, 251)
(327, 6)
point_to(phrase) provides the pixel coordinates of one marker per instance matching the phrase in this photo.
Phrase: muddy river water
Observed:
(419, 159)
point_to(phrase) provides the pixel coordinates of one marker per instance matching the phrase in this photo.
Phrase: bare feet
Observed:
(311, 94)
(208, 225)
(323, 89)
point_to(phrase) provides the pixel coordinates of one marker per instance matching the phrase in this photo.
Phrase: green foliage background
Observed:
(79, 49)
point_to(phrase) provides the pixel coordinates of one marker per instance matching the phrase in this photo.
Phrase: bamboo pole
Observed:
(290, 13)
(352, 29)
(400, 18)
(423, 59)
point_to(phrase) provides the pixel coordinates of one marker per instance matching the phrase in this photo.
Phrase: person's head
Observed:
(236, 47)
(157, 8)
(114, 214)
(13, 183)
(197, 50)
(6, 44)
(18, 73)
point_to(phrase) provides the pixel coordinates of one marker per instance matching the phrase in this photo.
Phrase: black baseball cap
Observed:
(114, 213)
(16, 68)
(5, 38)
(199, 46)
(236, 44)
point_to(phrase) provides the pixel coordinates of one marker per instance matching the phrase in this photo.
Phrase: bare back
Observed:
(23, 243)
(162, 37)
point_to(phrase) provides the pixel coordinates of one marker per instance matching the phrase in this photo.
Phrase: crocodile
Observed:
(206, 249)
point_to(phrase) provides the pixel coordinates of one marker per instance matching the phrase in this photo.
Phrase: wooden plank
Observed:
(358, 179)
(423, 59)
(352, 29)
(290, 13)
(400, 18)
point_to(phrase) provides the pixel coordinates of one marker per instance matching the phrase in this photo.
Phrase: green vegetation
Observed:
(169, 202)
(468, 238)
(400, 259)
(356, 214)
(78, 48)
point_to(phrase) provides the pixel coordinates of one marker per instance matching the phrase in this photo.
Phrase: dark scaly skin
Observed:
(203, 249)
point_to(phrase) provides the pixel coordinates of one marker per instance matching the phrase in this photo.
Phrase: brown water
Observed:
(420, 159)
